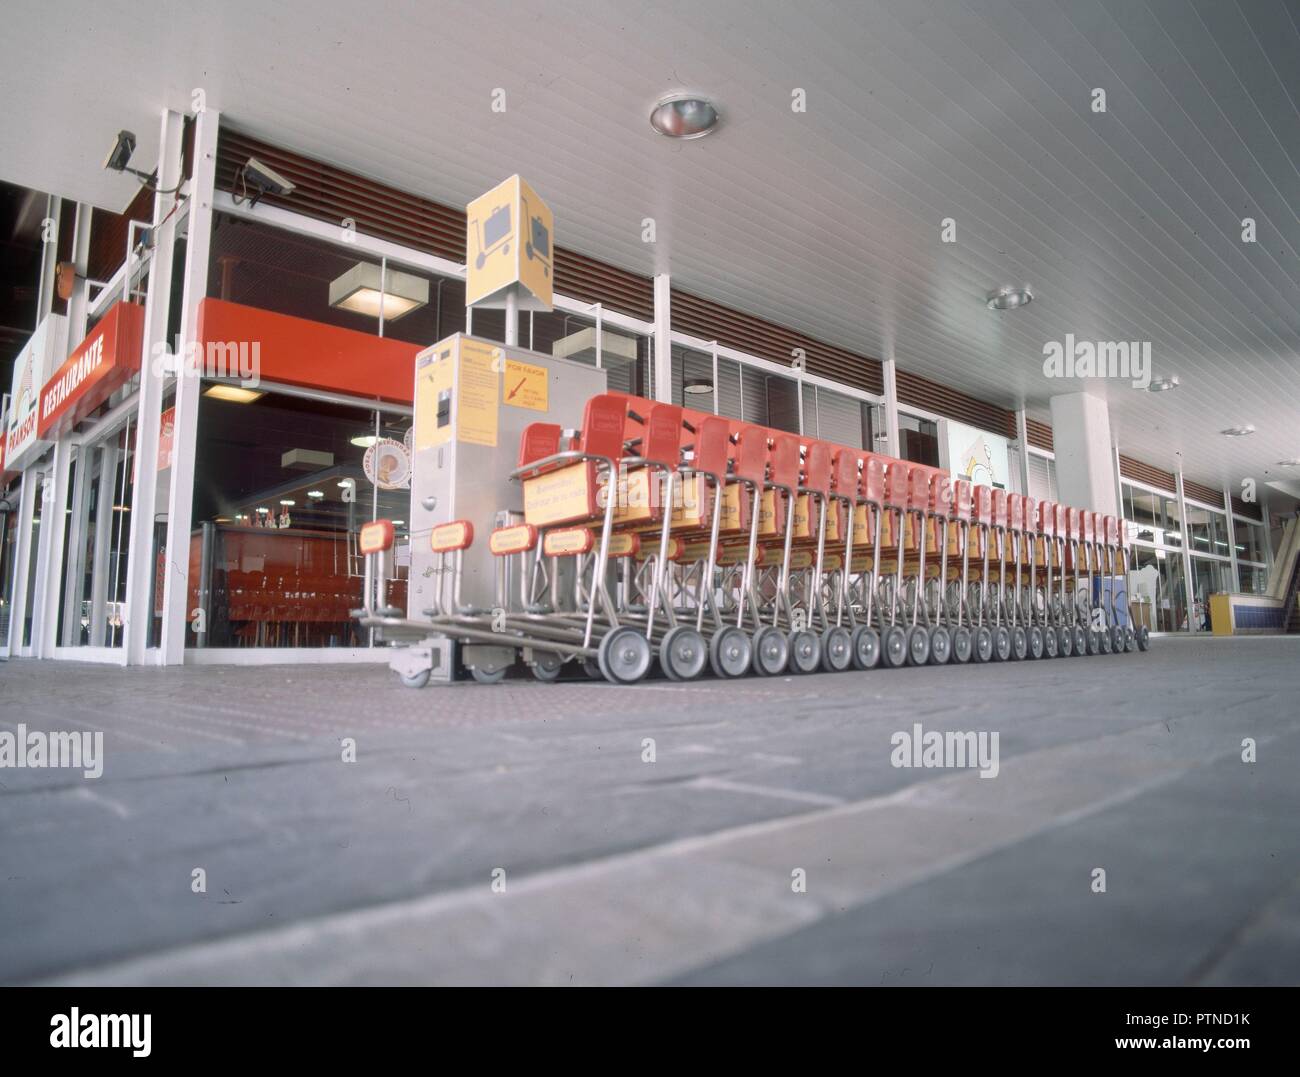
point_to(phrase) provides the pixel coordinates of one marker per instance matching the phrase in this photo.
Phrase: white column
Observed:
(140, 558)
(1022, 438)
(104, 520)
(1084, 461)
(180, 501)
(27, 507)
(80, 301)
(663, 364)
(49, 258)
(49, 563)
(1188, 587)
(892, 447)
(1232, 535)
(75, 542)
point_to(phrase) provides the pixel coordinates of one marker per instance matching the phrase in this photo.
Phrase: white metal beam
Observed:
(663, 364)
(27, 506)
(1022, 439)
(892, 447)
(1188, 586)
(49, 256)
(140, 556)
(180, 498)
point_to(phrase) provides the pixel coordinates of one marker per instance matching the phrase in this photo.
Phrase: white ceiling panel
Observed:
(1126, 224)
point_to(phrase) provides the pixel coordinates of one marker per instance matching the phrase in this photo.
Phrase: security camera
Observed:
(120, 155)
(263, 180)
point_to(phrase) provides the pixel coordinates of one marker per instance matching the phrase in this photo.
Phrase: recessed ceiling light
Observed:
(359, 290)
(684, 116)
(234, 393)
(364, 441)
(1238, 431)
(1163, 385)
(697, 386)
(287, 501)
(398, 523)
(263, 510)
(1009, 297)
(316, 493)
(345, 483)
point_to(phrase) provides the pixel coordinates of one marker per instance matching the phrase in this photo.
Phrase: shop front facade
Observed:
(200, 501)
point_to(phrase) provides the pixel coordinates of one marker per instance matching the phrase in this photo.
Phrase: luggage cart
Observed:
(956, 591)
(982, 524)
(1016, 542)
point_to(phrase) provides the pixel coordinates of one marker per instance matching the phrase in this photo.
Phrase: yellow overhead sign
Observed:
(509, 247)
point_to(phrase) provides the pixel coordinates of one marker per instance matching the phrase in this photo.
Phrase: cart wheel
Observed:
(1064, 642)
(730, 652)
(866, 647)
(771, 651)
(940, 646)
(1117, 640)
(893, 651)
(982, 651)
(683, 654)
(918, 645)
(592, 669)
(624, 656)
(489, 676)
(1103, 641)
(419, 680)
(1002, 643)
(837, 650)
(1051, 642)
(546, 666)
(1130, 641)
(805, 651)
(1143, 637)
(962, 645)
(1019, 644)
(1035, 641)
(1080, 640)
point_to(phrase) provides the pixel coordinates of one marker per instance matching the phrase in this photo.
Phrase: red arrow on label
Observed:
(516, 389)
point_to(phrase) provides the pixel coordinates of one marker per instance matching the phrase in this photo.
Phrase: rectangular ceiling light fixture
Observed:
(358, 290)
(234, 393)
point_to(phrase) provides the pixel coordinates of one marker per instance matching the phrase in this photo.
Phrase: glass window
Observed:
(1252, 579)
(8, 555)
(44, 488)
(280, 494)
(260, 266)
(1250, 541)
(1207, 531)
(1146, 589)
(839, 418)
(624, 356)
(919, 440)
(1173, 523)
(1142, 509)
(1042, 478)
(693, 378)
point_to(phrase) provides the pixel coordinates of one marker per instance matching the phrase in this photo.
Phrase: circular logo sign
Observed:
(387, 464)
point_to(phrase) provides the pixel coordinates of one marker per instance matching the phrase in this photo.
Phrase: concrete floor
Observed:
(680, 870)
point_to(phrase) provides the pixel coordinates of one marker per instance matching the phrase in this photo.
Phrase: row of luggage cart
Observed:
(656, 535)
